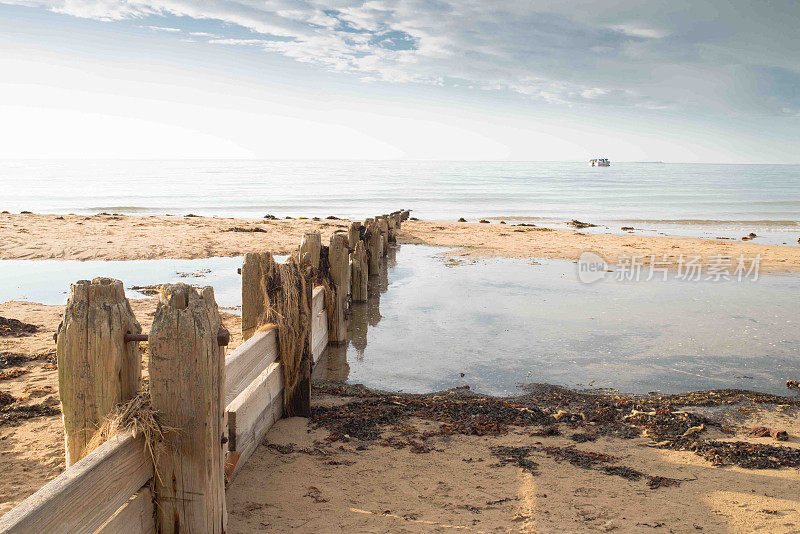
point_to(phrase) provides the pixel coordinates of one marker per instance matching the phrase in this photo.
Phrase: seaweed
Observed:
(16, 328)
(12, 359)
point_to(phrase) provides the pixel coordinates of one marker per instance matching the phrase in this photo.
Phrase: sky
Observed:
(682, 81)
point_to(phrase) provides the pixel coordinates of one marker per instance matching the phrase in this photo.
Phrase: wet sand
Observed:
(120, 237)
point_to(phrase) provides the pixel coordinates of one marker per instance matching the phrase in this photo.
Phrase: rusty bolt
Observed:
(223, 337)
(135, 337)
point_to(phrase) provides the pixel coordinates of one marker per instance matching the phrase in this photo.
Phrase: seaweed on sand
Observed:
(16, 328)
(11, 359)
(12, 409)
(459, 412)
(664, 419)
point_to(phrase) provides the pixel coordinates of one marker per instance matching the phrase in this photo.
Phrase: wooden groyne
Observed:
(178, 442)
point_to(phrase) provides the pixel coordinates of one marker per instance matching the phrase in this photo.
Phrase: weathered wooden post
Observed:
(187, 381)
(383, 221)
(394, 225)
(310, 248)
(372, 238)
(339, 259)
(254, 292)
(353, 235)
(359, 273)
(97, 369)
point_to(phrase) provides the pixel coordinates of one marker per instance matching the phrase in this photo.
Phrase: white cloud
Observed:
(162, 29)
(636, 30)
(589, 54)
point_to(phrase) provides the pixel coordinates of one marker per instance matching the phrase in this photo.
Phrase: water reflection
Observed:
(362, 315)
(434, 322)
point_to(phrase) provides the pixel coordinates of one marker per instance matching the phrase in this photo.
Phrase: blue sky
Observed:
(444, 79)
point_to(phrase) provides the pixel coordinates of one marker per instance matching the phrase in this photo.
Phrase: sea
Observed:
(702, 200)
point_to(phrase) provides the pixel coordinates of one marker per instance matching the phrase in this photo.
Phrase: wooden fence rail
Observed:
(109, 490)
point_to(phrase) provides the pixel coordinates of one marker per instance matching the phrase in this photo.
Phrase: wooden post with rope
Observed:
(187, 382)
(97, 369)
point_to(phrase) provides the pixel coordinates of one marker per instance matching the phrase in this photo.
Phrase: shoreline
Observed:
(122, 237)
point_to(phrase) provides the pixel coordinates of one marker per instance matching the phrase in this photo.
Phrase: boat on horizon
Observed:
(600, 162)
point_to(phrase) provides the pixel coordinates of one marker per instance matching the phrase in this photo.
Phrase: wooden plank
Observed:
(254, 411)
(317, 300)
(249, 359)
(272, 416)
(187, 382)
(134, 517)
(83, 497)
(246, 409)
(319, 334)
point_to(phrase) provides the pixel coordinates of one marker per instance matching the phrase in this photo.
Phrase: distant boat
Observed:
(600, 162)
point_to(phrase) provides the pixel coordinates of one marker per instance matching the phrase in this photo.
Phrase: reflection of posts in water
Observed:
(383, 274)
(358, 325)
(373, 307)
(333, 366)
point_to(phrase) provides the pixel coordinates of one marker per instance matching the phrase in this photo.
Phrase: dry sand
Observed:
(119, 237)
(380, 489)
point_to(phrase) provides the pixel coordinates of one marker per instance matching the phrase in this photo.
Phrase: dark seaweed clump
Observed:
(12, 410)
(604, 463)
(459, 412)
(11, 359)
(16, 328)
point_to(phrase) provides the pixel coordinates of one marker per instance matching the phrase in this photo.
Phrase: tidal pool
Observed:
(436, 322)
(48, 281)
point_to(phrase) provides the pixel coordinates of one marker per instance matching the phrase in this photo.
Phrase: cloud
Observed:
(620, 53)
(162, 29)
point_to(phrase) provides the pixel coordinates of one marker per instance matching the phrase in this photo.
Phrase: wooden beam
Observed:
(255, 410)
(187, 381)
(247, 361)
(134, 517)
(83, 497)
(319, 323)
(96, 368)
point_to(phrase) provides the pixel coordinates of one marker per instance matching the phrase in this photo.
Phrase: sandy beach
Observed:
(120, 237)
(412, 476)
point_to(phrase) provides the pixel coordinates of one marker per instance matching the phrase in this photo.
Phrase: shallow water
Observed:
(504, 322)
(48, 281)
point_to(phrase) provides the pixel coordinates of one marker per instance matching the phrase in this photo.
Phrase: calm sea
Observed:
(691, 199)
